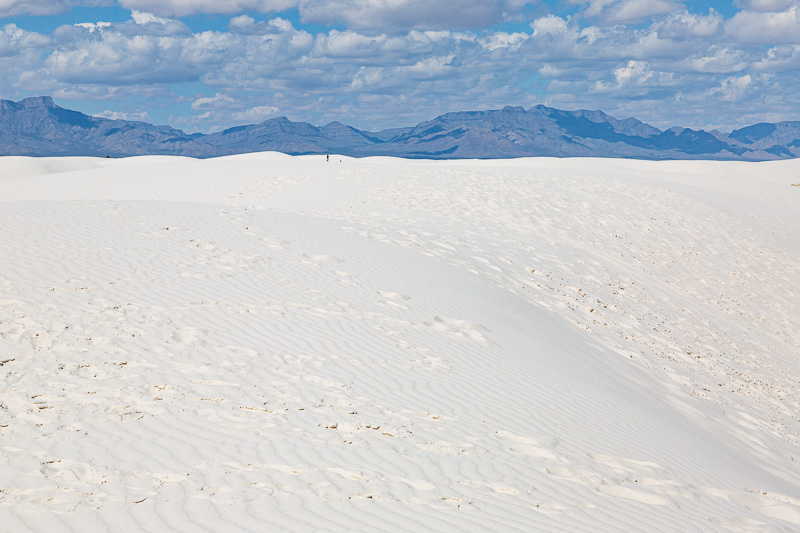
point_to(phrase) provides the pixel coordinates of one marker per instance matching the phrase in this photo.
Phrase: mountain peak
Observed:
(36, 102)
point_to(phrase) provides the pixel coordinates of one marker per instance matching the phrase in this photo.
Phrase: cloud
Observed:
(242, 21)
(504, 41)
(14, 41)
(93, 93)
(246, 25)
(732, 89)
(549, 25)
(399, 15)
(771, 27)
(718, 60)
(638, 10)
(684, 25)
(92, 27)
(216, 101)
(221, 109)
(180, 8)
(632, 75)
(115, 57)
(351, 44)
(430, 68)
(783, 58)
(764, 5)
(626, 11)
(556, 39)
(20, 58)
(289, 64)
(15, 8)
(142, 18)
(635, 72)
(256, 114)
(120, 115)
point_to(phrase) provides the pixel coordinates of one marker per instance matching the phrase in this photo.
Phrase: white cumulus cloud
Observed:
(218, 100)
(783, 58)
(626, 11)
(121, 115)
(15, 40)
(718, 60)
(634, 72)
(92, 27)
(732, 89)
(14, 8)
(140, 17)
(764, 5)
(549, 25)
(684, 25)
(772, 27)
(397, 15)
(180, 8)
(256, 114)
(117, 58)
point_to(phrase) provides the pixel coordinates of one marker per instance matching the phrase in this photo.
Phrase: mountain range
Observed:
(38, 127)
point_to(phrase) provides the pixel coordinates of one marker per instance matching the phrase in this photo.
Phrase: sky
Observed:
(206, 65)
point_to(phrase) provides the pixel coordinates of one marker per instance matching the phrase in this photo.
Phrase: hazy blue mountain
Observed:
(36, 126)
(781, 139)
(544, 131)
(684, 140)
(516, 132)
(283, 135)
(391, 133)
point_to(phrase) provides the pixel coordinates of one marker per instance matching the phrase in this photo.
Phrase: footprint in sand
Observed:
(394, 296)
(529, 447)
(577, 475)
(394, 299)
(432, 363)
(186, 335)
(535, 451)
(402, 343)
(768, 504)
(458, 328)
(235, 351)
(66, 471)
(322, 258)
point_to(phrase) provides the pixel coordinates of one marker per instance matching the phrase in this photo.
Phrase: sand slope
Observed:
(267, 343)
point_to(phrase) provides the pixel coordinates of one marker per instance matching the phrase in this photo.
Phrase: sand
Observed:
(275, 343)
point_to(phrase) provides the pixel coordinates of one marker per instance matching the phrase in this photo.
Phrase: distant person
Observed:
(327, 158)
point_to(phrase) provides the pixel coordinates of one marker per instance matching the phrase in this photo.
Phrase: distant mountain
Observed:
(283, 135)
(781, 140)
(36, 126)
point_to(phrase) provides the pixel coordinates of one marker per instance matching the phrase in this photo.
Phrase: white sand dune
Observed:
(268, 343)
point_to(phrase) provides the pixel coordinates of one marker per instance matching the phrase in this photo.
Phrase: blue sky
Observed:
(205, 65)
